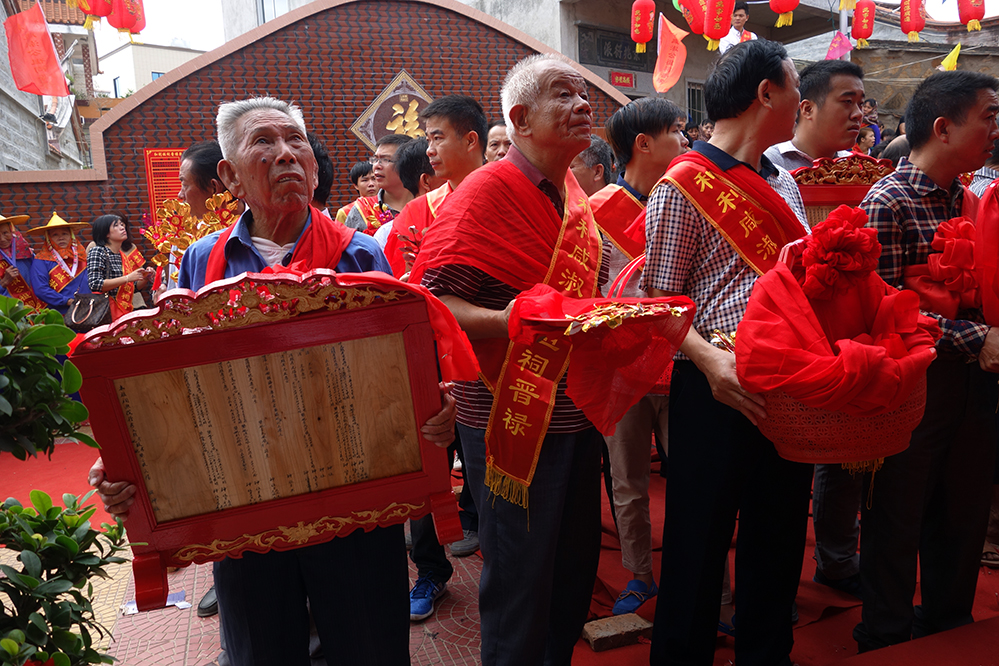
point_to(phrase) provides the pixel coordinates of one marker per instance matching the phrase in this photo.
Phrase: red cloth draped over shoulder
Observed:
(501, 223)
(419, 213)
(987, 252)
(319, 246)
(615, 211)
(843, 339)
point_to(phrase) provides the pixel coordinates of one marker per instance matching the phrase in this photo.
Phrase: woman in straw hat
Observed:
(16, 258)
(115, 264)
(59, 271)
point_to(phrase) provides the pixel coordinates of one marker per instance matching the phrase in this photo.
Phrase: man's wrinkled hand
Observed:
(988, 358)
(117, 497)
(726, 389)
(439, 428)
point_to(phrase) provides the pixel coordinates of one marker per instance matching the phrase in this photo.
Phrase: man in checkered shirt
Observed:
(933, 498)
(720, 464)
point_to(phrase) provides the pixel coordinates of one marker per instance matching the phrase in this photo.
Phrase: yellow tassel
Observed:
(864, 466)
(861, 43)
(712, 44)
(847, 4)
(501, 485)
(71, 4)
(973, 24)
(913, 36)
(640, 47)
(89, 23)
(784, 19)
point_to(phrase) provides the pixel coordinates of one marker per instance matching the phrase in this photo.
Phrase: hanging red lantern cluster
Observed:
(94, 10)
(717, 21)
(971, 12)
(693, 11)
(643, 16)
(128, 16)
(912, 21)
(784, 10)
(863, 22)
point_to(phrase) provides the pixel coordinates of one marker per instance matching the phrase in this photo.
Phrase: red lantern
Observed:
(784, 10)
(140, 17)
(971, 13)
(717, 21)
(123, 15)
(94, 10)
(693, 11)
(643, 15)
(863, 22)
(912, 21)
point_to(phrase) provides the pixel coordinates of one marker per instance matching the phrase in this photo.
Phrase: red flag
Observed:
(33, 59)
(672, 55)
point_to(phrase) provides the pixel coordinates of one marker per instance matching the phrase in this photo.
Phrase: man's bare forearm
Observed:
(478, 322)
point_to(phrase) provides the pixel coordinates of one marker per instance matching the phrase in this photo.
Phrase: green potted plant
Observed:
(47, 618)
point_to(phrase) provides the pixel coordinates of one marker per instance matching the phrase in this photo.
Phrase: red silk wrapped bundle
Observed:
(948, 283)
(613, 365)
(839, 340)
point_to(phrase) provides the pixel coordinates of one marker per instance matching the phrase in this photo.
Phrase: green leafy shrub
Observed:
(35, 407)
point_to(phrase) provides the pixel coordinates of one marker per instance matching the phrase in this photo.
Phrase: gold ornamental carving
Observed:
(853, 169)
(298, 535)
(240, 302)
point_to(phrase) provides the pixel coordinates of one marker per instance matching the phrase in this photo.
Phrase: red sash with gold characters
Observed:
(61, 274)
(615, 210)
(740, 204)
(20, 289)
(524, 392)
(499, 222)
(419, 213)
(121, 304)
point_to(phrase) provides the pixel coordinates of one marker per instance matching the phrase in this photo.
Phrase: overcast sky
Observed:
(195, 24)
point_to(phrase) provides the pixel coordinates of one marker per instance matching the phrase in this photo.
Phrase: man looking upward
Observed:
(829, 116)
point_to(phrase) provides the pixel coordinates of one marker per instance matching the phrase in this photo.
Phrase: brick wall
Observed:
(332, 63)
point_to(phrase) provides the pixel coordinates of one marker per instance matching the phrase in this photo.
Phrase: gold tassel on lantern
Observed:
(88, 24)
(71, 4)
(973, 24)
(784, 19)
(913, 36)
(712, 44)
(639, 47)
(847, 4)
(861, 43)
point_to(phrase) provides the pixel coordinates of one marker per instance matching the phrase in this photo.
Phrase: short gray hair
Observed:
(599, 152)
(230, 112)
(521, 85)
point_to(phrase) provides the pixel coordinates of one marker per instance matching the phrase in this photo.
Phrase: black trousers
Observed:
(357, 587)
(932, 500)
(721, 466)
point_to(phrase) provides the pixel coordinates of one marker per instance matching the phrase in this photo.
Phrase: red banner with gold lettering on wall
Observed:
(33, 60)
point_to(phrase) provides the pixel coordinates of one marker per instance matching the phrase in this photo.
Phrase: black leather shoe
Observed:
(209, 604)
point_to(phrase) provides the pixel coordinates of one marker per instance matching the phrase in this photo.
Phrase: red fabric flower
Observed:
(840, 252)
(948, 282)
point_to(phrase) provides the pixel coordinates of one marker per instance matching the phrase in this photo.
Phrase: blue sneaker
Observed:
(422, 597)
(634, 595)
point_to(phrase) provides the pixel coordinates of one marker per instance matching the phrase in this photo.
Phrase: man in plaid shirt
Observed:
(933, 498)
(720, 463)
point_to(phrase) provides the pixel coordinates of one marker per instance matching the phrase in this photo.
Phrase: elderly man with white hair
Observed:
(532, 457)
(356, 586)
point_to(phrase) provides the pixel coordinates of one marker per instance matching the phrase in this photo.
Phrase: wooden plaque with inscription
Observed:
(267, 412)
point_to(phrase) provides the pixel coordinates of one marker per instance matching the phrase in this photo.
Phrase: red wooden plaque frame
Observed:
(242, 318)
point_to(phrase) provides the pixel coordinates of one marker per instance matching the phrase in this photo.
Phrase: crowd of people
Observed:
(479, 213)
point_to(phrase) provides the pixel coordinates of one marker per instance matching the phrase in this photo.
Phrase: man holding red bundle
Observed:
(532, 457)
(932, 500)
(716, 223)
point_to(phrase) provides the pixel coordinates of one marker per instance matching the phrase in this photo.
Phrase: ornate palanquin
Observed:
(829, 183)
(267, 412)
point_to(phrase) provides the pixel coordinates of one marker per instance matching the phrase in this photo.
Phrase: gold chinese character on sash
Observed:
(551, 343)
(726, 200)
(766, 247)
(703, 179)
(533, 362)
(523, 391)
(515, 422)
(571, 282)
(580, 254)
(748, 222)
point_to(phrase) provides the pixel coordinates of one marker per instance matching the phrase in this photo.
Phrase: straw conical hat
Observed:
(13, 220)
(55, 223)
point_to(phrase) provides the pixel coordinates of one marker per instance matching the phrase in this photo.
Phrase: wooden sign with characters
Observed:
(267, 412)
